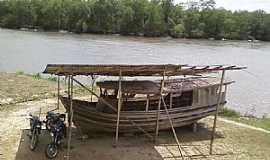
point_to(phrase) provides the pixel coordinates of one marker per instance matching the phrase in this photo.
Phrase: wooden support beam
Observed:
(119, 107)
(71, 118)
(58, 92)
(147, 103)
(173, 130)
(171, 100)
(92, 86)
(159, 106)
(217, 110)
(68, 87)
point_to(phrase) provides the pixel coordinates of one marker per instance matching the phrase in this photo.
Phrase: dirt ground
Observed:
(232, 142)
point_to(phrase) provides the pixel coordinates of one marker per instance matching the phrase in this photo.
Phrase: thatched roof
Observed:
(153, 87)
(133, 70)
(140, 87)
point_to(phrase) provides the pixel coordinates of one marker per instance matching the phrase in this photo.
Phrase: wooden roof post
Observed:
(159, 105)
(68, 87)
(217, 110)
(119, 106)
(147, 103)
(58, 92)
(171, 100)
(92, 86)
(70, 118)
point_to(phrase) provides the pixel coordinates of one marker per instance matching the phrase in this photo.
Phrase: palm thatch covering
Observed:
(133, 70)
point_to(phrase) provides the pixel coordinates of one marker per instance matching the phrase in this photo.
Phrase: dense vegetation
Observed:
(200, 19)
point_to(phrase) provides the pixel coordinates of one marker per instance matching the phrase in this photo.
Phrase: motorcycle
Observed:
(35, 131)
(57, 132)
(51, 119)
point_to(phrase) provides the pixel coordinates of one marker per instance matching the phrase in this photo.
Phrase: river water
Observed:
(31, 51)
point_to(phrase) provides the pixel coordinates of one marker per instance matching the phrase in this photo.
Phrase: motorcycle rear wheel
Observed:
(51, 151)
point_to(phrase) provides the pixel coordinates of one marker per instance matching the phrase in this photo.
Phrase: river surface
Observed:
(31, 51)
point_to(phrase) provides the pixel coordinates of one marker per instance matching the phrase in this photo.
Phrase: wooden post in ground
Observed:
(173, 130)
(159, 105)
(217, 110)
(68, 91)
(58, 92)
(92, 86)
(71, 118)
(118, 107)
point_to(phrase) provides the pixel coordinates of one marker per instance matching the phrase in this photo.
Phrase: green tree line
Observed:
(197, 19)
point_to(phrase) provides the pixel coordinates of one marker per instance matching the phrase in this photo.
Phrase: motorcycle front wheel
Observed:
(33, 140)
(51, 151)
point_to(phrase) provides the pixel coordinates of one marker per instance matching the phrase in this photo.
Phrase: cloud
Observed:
(250, 5)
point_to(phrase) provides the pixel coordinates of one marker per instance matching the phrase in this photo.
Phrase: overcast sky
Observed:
(250, 5)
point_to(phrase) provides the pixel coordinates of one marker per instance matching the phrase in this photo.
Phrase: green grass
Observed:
(51, 78)
(256, 122)
(36, 76)
(236, 116)
(19, 72)
(226, 112)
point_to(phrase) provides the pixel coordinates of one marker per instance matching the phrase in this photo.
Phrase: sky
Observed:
(249, 5)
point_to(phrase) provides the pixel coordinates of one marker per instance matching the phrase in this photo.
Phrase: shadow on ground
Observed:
(130, 146)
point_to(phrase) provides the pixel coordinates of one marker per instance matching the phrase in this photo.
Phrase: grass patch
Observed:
(19, 72)
(256, 122)
(253, 121)
(36, 76)
(51, 78)
(226, 112)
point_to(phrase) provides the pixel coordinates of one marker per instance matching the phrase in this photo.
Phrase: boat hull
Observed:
(88, 119)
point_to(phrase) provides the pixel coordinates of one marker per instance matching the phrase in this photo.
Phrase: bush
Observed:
(51, 78)
(226, 112)
(19, 72)
(178, 30)
(36, 76)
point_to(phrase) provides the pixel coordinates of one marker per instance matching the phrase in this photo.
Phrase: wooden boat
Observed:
(191, 100)
(144, 105)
